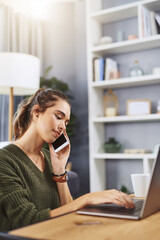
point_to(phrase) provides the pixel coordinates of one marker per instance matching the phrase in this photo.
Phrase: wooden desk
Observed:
(65, 228)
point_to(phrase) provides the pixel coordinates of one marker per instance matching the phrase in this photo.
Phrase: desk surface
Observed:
(66, 228)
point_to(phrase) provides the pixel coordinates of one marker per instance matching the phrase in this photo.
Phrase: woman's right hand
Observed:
(108, 196)
(95, 198)
(59, 159)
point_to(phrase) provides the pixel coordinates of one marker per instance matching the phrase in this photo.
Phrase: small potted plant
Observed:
(112, 146)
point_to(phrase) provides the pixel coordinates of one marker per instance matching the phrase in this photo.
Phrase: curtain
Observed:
(18, 33)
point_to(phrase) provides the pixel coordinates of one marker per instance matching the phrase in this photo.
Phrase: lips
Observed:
(57, 133)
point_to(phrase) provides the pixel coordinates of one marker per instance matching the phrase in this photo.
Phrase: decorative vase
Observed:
(112, 146)
(136, 70)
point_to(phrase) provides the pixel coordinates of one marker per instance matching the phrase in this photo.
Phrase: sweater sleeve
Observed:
(15, 202)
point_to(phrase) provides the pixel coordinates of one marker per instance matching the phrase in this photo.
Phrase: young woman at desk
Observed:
(33, 185)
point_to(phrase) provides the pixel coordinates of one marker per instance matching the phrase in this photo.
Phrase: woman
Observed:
(33, 185)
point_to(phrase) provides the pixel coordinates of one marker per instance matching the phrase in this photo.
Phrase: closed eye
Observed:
(58, 117)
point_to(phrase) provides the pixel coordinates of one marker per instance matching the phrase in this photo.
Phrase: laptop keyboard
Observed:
(112, 208)
(138, 205)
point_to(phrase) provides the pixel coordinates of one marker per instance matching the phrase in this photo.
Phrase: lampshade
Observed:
(19, 71)
(19, 75)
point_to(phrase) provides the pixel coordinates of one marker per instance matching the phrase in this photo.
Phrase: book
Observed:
(101, 74)
(146, 22)
(153, 23)
(142, 21)
(157, 17)
(98, 69)
(110, 68)
(150, 22)
(95, 69)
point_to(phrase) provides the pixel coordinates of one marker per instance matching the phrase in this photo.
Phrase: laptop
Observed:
(143, 208)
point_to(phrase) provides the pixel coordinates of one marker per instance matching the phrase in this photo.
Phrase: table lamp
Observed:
(19, 75)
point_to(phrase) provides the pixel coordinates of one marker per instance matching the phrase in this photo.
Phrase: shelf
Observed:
(152, 5)
(117, 156)
(123, 12)
(141, 118)
(116, 13)
(128, 46)
(128, 82)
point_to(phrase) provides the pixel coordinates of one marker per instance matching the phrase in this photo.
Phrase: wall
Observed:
(59, 41)
(80, 154)
(65, 49)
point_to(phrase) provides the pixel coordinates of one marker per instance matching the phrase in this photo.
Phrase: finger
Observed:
(50, 146)
(51, 149)
(121, 199)
(124, 198)
(116, 198)
(64, 150)
(65, 133)
(127, 200)
(118, 202)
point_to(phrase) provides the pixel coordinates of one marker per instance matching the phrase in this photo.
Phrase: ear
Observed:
(36, 112)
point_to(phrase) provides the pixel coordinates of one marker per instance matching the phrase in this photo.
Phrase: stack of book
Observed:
(150, 23)
(104, 69)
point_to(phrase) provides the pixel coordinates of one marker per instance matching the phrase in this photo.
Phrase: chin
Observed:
(50, 140)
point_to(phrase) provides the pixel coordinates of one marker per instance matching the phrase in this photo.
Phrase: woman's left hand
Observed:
(59, 159)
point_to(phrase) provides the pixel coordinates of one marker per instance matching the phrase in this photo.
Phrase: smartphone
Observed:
(60, 143)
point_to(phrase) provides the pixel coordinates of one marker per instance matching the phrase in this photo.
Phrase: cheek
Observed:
(47, 123)
(42, 126)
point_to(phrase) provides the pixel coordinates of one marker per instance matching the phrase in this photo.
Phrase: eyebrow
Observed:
(63, 115)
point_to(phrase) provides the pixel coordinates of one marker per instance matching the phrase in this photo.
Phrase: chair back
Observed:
(3, 144)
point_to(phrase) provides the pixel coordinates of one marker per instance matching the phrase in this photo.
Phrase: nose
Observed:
(62, 126)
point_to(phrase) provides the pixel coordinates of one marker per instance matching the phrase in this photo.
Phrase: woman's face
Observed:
(52, 122)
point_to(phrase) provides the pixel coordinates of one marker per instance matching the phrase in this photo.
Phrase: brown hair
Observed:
(44, 98)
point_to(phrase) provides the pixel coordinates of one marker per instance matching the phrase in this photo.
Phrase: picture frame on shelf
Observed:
(138, 106)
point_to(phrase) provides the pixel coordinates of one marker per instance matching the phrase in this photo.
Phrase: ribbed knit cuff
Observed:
(44, 215)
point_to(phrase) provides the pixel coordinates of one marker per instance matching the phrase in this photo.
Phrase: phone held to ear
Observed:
(60, 143)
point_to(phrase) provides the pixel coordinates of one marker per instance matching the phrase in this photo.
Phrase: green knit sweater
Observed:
(26, 194)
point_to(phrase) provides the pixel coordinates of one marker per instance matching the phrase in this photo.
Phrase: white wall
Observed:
(59, 41)
(17, 5)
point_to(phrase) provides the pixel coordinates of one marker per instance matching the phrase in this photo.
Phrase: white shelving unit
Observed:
(128, 82)
(119, 119)
(96, 16)
(127, 46)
